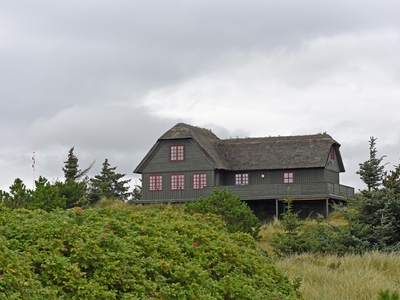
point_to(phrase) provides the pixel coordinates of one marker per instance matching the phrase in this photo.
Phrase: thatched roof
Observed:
(269, 153)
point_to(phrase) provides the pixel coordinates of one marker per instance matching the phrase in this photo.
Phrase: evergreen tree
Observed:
(75, 186)
(392, 180)
(108, 184)
(71, 169)
(18, 197)
(371, 171)
(137, 191)
(45, 196)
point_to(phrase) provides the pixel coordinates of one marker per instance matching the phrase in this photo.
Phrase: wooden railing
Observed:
(281, 190)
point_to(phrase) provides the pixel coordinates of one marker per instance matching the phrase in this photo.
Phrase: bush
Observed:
(303, 236)
(119, 253)
(374, 222)
(386, 295)
(237, 214)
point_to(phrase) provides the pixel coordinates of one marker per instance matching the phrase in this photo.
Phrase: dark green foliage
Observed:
(237, 214)
(74, 188)
(19, 195)
(392, 180)
(371, 171)
(112, 253)
(386, 295)
(108, 184)
(374, 221)
(71, 166)
(374, 214)
(290, 241)
(137, 193)
(71, 169)
(299, 237)
(74, 192)
(45, 196)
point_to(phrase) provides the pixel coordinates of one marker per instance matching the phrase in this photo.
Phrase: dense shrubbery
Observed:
(372, 223)
(237, 214)
(302, 236)
(111, 253)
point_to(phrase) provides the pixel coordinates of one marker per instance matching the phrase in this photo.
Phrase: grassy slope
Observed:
(331, 277)
(348, 277)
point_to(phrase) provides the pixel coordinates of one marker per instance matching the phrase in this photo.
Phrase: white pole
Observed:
(33, 170)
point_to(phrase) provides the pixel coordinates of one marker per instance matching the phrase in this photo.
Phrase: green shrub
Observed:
(119, 253)
(237, 214)
(303, 236)
(386, 295)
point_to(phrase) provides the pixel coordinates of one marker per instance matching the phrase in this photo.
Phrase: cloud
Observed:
(110, 77)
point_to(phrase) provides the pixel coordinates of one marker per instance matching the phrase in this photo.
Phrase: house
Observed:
(188, 162)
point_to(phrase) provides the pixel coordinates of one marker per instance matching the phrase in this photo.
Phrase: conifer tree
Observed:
(108, 184)
(75, 185)
(71, 169)
(371, 171)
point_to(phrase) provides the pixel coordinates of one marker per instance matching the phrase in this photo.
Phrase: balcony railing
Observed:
(284, 190)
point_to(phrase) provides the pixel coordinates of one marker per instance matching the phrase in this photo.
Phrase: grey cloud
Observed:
(73, 73)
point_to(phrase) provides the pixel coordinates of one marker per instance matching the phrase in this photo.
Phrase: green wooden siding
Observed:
(331, 176)
(333, 164)
(166, 193)
(194, 159)
(275, 176)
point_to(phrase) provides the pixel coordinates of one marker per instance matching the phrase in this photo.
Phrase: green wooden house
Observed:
(188, 162)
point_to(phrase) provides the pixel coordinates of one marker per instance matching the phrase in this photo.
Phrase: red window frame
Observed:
(288, 177)
(241, 178)
(177, 152)
(155, 183)
(177, 182)
(332, 153)
(199, 181)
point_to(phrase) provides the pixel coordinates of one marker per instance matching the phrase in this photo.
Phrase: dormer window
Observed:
(288, 177)
(332, 153)
(177, 153)
(242, 179)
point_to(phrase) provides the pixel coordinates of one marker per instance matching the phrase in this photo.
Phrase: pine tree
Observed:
(108, 184)
(18, 197)
(71, 169)
(371, 171)
(75, 186)
(71, 166)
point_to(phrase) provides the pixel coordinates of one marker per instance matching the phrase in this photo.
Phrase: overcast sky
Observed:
(110, 77)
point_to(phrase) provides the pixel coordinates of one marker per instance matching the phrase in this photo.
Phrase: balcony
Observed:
(300, 191)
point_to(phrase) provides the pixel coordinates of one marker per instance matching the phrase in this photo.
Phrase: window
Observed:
(177, 182)
(242, 179)
(332, 153)
(199, 181)
(155, 183)
(177, 153)
(288, 177)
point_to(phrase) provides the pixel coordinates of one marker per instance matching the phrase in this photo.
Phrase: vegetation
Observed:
(108, 184)
(372, 171)
(237, 214)
(347, 277)
(45, 196)
(131, 252)
(74, 187)
(76, 190)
